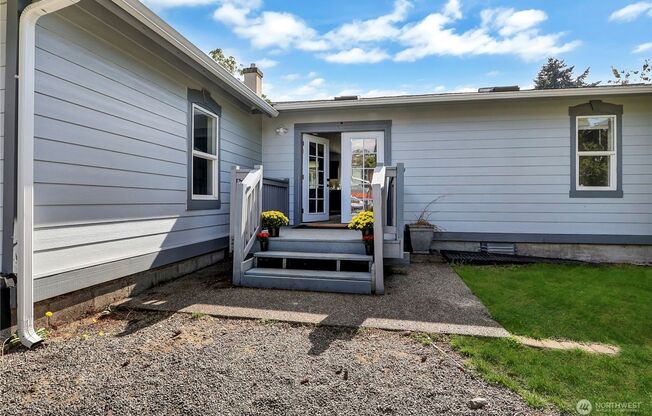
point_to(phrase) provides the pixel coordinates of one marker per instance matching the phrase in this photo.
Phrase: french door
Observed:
(315, 178)
(361, 152)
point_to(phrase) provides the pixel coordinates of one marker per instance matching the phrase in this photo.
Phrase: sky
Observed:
(318, 49)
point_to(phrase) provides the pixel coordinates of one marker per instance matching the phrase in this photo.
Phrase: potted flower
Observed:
(273, 221)
(422, 231)
(364, 222)
(263, 239)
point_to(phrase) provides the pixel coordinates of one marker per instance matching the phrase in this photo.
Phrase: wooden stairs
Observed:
(315, 260)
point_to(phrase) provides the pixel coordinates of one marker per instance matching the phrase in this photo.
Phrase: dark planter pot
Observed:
(368, 244)
(274, 231)
(264, 245)
(369, 247)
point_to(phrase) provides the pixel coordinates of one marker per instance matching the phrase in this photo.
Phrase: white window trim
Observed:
(215, 195)
(613, 156)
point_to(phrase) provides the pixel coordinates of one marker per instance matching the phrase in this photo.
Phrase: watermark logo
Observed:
(584, 407)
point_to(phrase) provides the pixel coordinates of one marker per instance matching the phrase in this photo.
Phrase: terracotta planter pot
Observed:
(421, 238)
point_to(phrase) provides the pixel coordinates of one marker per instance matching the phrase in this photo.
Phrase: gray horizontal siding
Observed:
(111, 146)
(497, 169)
(3, 55)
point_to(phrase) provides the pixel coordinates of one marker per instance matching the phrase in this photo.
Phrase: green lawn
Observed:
(610, 304)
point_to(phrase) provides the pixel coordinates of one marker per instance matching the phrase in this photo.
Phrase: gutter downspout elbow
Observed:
(25, 160)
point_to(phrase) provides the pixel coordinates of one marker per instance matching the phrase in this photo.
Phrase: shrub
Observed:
(274, 219)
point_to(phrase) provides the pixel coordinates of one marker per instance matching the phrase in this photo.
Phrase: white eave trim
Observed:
(463, 97)
(136, 9)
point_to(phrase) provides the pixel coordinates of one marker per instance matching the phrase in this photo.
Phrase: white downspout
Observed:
(25, 174)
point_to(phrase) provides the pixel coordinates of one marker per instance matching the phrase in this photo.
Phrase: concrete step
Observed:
(302, 255)
(313, 280)
(317, 246)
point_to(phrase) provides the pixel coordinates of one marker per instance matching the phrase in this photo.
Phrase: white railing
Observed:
(246, 207)
(387, 190)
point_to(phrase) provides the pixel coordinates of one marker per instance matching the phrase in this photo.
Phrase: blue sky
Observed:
(320, 49)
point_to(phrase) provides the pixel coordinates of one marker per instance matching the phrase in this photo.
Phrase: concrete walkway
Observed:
(424, 297)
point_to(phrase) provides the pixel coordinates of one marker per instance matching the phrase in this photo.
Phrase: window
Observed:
(204, 154)
(596, 153)
(203, 151)
(596, 150)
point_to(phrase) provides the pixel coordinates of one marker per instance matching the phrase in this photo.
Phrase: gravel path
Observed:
(168, 364)
(424, 297)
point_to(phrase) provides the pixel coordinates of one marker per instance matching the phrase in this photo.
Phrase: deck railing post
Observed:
(247, 207)
(379, 197)
(232, 196)
(400, 220)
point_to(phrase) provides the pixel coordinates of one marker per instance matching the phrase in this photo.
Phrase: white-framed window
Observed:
(596, 160)
(205, 155)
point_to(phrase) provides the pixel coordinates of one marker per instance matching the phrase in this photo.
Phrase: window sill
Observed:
(586, 193)
(203, 204)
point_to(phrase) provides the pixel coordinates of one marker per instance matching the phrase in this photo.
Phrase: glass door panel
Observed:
(315, 178)
(360, 155)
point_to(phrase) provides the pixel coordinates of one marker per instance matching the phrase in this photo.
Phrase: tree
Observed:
(229, 63)
(556, 74)
(623, 76)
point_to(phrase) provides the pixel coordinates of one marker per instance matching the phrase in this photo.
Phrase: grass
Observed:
(197, 315)
(609, 304)
(425, 339)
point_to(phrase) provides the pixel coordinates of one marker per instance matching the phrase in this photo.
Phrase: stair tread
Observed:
(311, 255)
(308, 274)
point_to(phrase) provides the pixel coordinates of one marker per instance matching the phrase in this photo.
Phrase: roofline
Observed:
(462, 97)
(147, 17)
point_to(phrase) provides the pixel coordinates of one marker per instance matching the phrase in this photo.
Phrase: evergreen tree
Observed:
(623, 76)
(556, 74)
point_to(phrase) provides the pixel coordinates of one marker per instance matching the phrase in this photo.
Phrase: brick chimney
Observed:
(253, 78)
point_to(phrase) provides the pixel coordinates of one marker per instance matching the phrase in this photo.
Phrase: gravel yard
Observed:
(143, 363)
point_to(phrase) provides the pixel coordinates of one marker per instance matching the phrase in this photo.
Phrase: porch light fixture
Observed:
(281, 130)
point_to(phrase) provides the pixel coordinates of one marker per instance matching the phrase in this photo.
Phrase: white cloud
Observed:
(317, 82)
(357, 56)
(372, 30)
(312, 74)
(291, 77)
(277, 29)
(632, 11)
(509, 21)
(280, 30)
(643, 47)
(503, 31)
(314, 89)
(517, 34)
(266, 63)
(465, 88)
(493, 73)
(167, 4)
(232, 15)
(452, 9)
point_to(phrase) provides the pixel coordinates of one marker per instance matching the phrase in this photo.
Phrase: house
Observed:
(130, 156)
